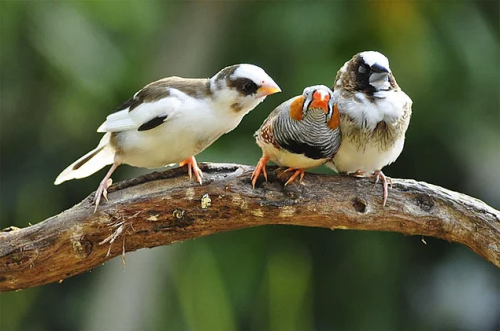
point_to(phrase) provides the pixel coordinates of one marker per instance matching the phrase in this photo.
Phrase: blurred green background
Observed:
(66, 65)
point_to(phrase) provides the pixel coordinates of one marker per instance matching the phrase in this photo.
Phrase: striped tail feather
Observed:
(90, 163)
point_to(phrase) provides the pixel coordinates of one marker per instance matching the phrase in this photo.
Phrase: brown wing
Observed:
(144, 112)
(160, 89)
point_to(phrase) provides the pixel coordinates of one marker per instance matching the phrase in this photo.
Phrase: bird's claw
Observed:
(260, 167)
(295, 175)
(193, 168)
(386, 182)
(105, 190)
(102, 191)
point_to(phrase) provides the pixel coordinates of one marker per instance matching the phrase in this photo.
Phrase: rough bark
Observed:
(162, 208)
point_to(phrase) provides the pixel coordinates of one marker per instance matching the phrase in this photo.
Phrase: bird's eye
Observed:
(249, 87)
(245, 86)
(362, 69)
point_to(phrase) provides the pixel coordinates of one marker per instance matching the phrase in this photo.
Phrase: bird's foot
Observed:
(386, 182)
(295, 175)
(260, 167)
(102, 191)
(192, 168)
(359, 173)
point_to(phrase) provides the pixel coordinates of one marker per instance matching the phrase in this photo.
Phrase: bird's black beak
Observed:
(378, 68)
(379, 77)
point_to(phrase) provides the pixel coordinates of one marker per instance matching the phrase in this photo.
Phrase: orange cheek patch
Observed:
(334, 122)
(296, 108)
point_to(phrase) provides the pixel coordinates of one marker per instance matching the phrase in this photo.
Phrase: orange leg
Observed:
(260, 167)
(192, 167)
(295, 175)
(102, 190)
(379, 175)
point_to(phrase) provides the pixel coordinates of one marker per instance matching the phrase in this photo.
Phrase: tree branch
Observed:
(162, 208)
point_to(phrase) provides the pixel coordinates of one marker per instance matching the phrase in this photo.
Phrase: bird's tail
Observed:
(91, 162)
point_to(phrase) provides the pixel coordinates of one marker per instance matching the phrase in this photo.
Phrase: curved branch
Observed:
(162, 208)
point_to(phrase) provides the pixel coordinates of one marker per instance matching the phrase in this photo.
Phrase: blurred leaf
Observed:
(202, 294)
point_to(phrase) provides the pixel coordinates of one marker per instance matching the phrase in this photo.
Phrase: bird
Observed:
(171, 120)
(300, 134)
(374, 116)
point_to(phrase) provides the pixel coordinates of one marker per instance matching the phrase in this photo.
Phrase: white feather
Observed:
(387, 106)
(350, 158)
(250, 71)
(124, 120)
(184, 134)
(372, 57)
(103, 157)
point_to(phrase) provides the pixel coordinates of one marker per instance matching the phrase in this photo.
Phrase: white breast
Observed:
(350, 158)
(389, 106)
(185, 133)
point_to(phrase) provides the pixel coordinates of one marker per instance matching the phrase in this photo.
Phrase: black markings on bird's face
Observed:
(308, 98)
(245, 86)
(362, 72)
(359, 73)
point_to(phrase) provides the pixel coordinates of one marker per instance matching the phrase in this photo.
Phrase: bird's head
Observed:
(316, 102)
(243, 86)
(367, 72)
(317, 97)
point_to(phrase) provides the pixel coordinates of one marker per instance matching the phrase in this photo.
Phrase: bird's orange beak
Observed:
(268, 88)
(320, 100)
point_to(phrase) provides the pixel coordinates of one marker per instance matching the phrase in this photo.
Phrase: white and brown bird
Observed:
(374, 116)
(300, 134)
(171, 120)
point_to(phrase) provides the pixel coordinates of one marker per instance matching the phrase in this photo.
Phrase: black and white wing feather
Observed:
(154, 104)
(142, 115)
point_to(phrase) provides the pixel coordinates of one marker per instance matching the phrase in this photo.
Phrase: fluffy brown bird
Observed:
(300, 134)
(374, 117)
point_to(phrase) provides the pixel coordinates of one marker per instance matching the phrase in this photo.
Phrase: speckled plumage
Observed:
(373, 121)
(374, 115)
